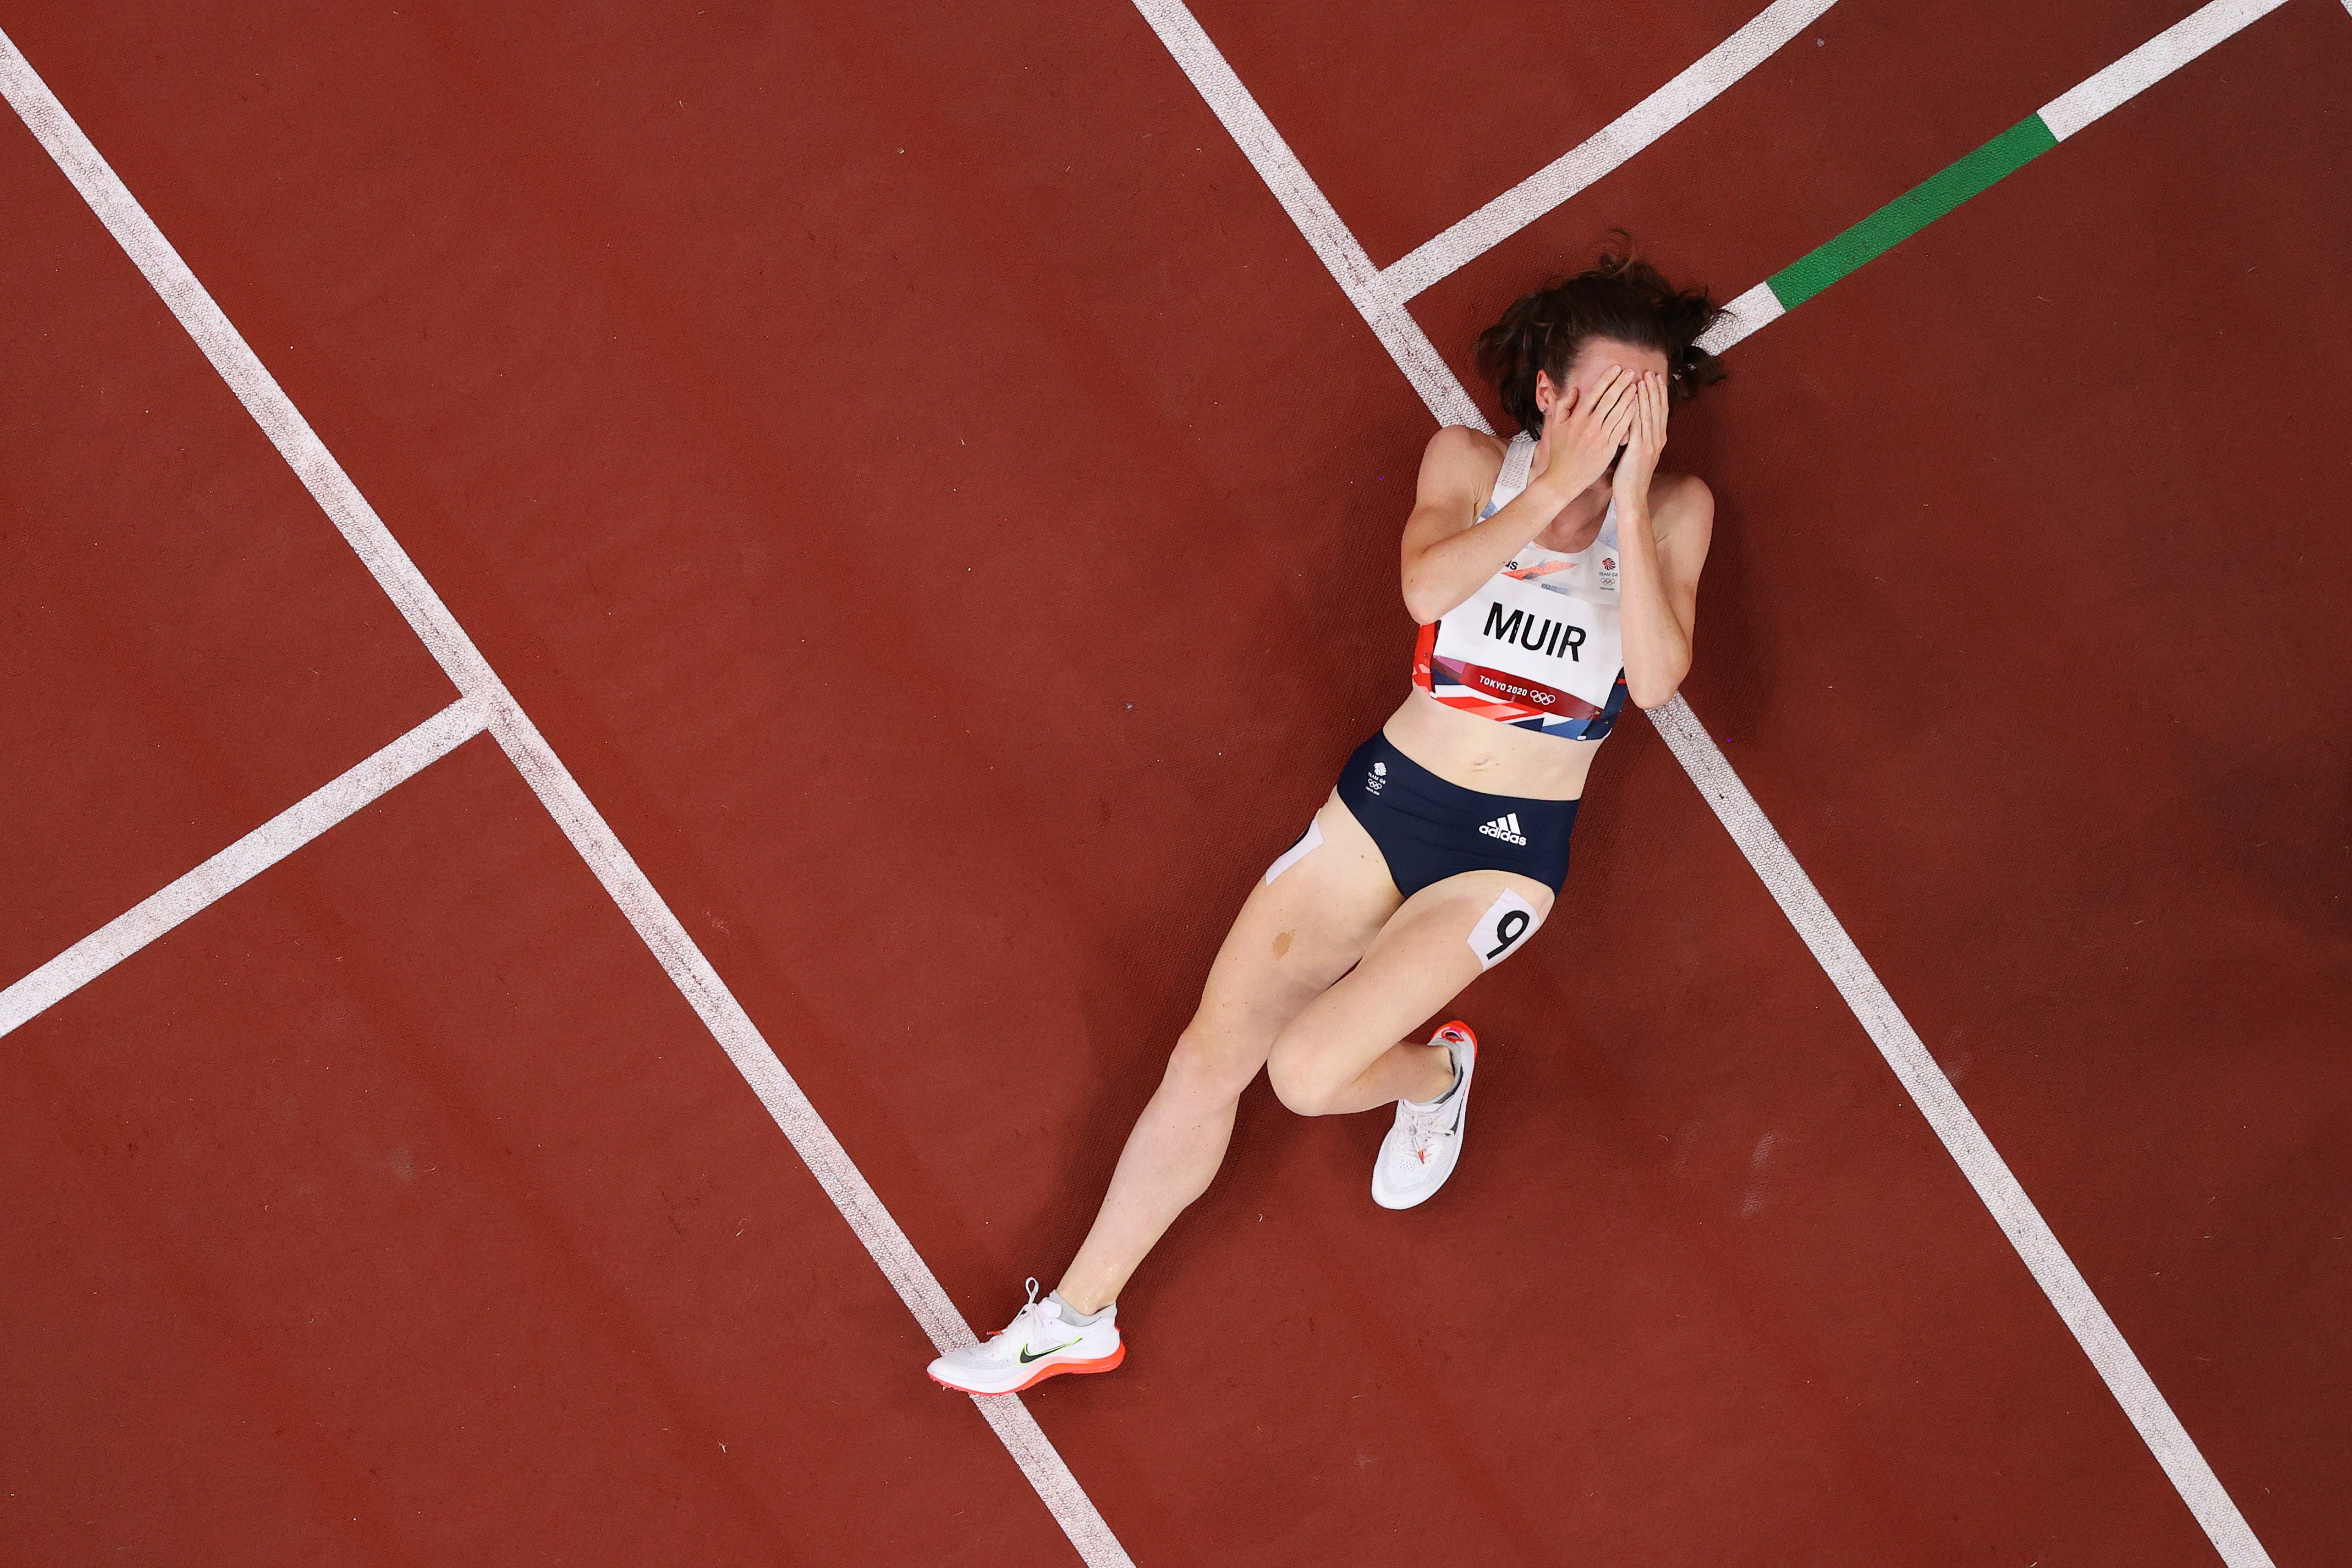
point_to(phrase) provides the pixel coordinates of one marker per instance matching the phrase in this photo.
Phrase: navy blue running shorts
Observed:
(1429, 830)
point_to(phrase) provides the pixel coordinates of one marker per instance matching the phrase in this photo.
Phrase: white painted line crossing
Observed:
(1863, 992)
(594, 840)
(1606, 150)
(239, 863)
(1300, 197)
(715, 1005)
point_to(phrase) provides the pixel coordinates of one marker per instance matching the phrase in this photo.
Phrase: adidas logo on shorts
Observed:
(1505, 828)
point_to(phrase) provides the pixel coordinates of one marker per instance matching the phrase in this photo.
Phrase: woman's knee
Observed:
(1304, 1086)
(1211, 1065)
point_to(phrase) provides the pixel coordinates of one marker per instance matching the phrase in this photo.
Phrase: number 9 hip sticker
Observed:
(1504, 927)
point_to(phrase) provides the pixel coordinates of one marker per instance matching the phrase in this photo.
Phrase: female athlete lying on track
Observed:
(1554, 577)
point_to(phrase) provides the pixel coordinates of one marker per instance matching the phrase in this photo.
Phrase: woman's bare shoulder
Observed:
(1681, 502)
(1462, 443)
(1677, 496)
(1460, 465)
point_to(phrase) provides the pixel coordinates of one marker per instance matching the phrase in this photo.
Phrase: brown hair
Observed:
(1619, 297)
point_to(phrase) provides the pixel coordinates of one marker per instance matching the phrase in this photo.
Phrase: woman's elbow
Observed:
(1649, 697)
(1654, 688)
(1423, 603)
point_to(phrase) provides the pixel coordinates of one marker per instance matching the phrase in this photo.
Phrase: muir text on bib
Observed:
(1520, 641)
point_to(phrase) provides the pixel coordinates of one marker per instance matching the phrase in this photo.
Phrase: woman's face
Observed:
(1592, 363)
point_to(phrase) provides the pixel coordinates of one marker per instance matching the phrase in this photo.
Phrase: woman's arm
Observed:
(1660, 549)
(1447, 551)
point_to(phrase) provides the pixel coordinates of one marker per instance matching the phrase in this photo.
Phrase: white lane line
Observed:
(2151, 63)
(1280, 167)
(652, 919)
(239, 863)
(1938, 1102)
(715, 1005)
(1604, 150)
(1961, 1135)
(1760, 307)
(2063, 116)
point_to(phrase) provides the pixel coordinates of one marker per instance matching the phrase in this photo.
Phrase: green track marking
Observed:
(1912, 211)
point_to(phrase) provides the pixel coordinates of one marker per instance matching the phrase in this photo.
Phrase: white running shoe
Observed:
(1034, 1346)
(1419, 1153)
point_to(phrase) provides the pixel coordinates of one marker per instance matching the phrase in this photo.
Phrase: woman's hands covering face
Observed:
(1583, 431)
(1645, 437)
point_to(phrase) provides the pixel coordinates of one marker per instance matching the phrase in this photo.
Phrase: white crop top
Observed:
(1538, 645)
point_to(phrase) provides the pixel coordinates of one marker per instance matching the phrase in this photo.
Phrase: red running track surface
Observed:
(955, 572)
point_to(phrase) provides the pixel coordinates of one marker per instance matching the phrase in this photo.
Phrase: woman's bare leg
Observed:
(1295, 936)
(1340, 1054)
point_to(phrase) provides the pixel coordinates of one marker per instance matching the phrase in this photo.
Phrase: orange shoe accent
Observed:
(1102, 1363)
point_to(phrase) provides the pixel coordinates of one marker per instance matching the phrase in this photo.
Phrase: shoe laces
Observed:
(1031, 1317)
(1421, 1129)
(1423, 1124)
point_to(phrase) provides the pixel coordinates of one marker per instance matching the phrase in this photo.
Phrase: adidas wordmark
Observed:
(1505, 828)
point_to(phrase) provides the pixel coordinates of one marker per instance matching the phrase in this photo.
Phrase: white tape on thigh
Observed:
(1305, 846)
(1502, 928)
